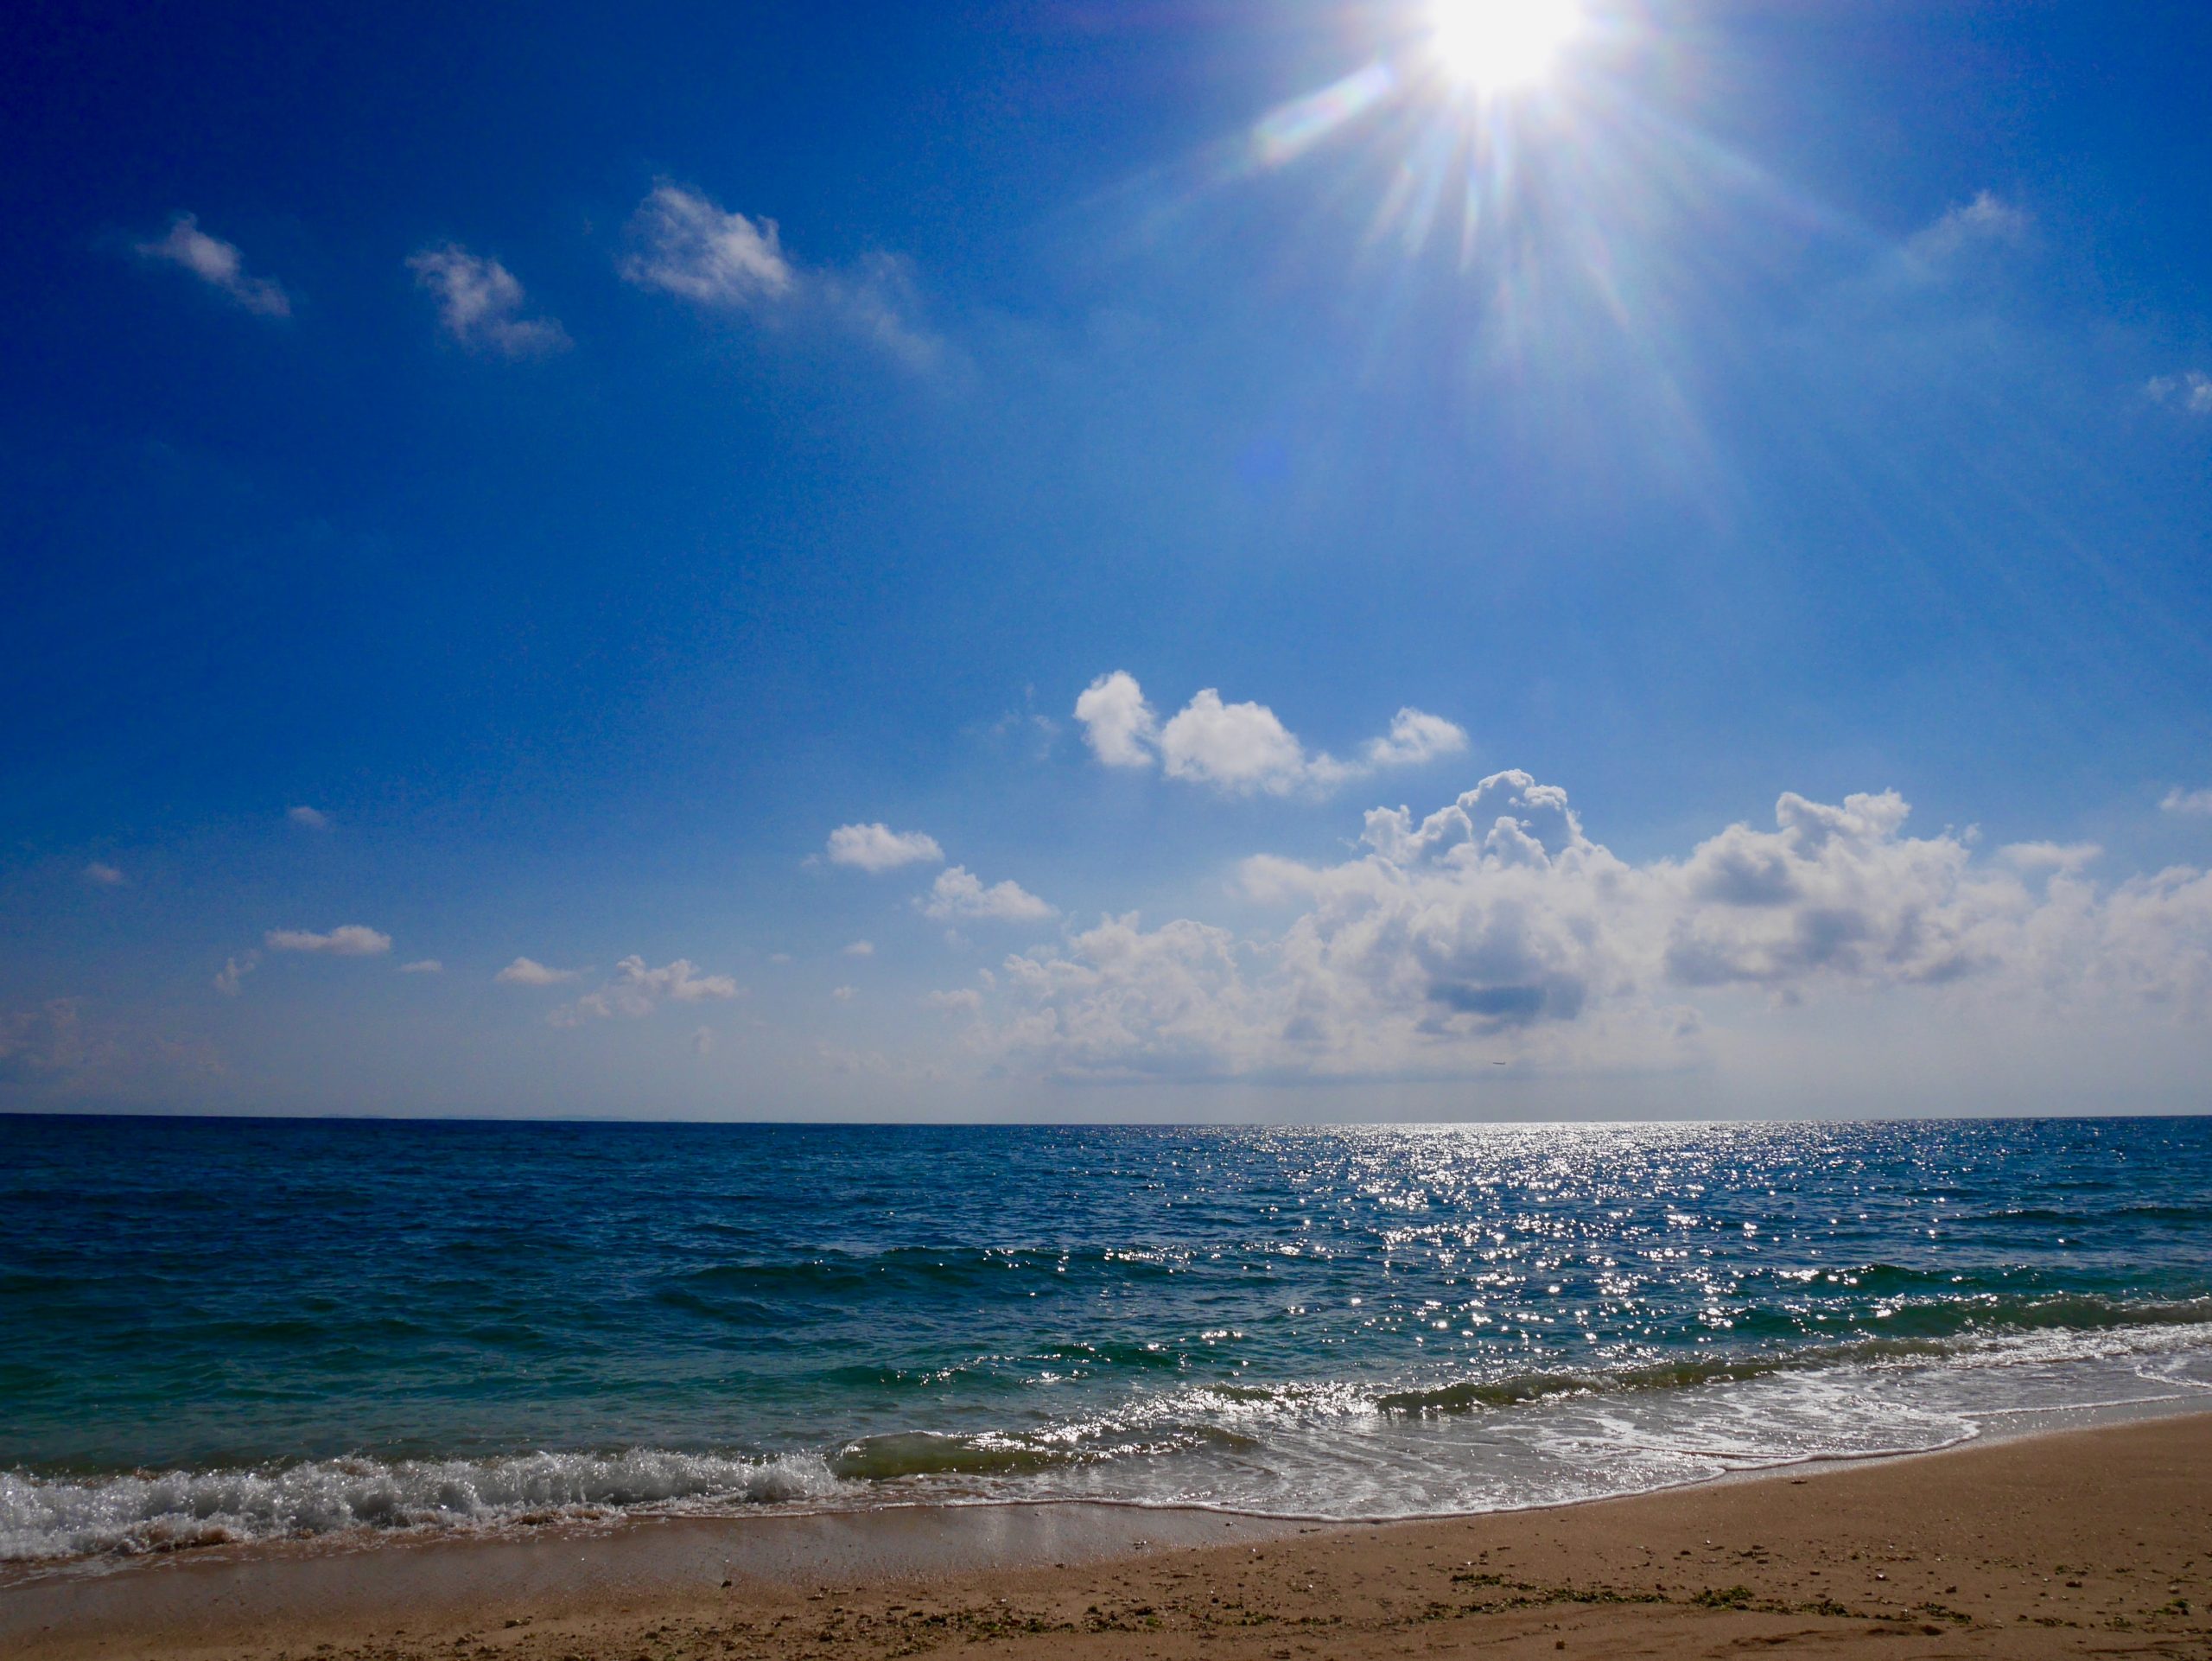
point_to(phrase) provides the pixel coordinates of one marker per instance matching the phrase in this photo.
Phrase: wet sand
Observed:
(2093, 1542)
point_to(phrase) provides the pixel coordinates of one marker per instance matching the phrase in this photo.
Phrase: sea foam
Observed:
(47, 1517)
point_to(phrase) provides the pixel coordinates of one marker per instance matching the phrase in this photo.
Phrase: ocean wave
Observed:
(47, 1517)
(1294, 1446)
(2051, 1332)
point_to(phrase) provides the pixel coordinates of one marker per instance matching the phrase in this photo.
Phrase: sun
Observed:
(1493, 46)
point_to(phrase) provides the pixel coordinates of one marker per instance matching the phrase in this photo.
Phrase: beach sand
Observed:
(2096, 1541)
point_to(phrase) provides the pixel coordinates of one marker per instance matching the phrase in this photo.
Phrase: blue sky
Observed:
(588, 460)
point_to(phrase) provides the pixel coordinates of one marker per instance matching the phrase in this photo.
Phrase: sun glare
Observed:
(1502, 46)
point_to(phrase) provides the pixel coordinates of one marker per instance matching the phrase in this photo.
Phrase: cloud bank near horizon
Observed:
(1495, 929)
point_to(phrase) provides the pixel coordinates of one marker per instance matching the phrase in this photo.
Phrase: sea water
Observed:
(223, 1330)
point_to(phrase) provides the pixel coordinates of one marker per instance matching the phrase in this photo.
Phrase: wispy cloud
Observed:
(310, 818)
(2190, 392)
(861, 949)
(102, 875)
(235, 971)
(689, 246)
(877, 847)
(481, 304)
(347, 940)
(422, 966)
(1988, 219)
(218, 264)
(45, 1041)
(1243, 748)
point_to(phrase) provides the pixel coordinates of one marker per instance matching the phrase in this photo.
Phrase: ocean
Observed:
(240, 1330)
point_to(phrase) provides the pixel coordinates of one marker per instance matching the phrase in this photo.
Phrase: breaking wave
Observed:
(47, 1517)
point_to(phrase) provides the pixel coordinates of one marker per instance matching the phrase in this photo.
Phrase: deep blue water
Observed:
(231, 1329)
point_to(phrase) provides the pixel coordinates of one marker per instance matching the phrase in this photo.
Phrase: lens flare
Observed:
(1502, 46)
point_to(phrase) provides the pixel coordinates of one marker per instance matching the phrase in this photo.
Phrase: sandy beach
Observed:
(2093, 1542)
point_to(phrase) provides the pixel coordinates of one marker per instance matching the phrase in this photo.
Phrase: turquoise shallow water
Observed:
(226, 1330)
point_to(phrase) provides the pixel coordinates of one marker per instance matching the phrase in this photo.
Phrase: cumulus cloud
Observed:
(1117, 723)
(636, 990)
(218, 264)
(1415, 739)
(1987, 219)
(2190, 392)
(481, 304)
(102, 875)
(422, 966)
(2194, 803)
(967, 1000)
(528, 972)
(1240, 747)
(1495, 927)
(689, 246)
(312, 818)
(235, 971)
(959, 895)
(877, 847)
(347, 940)
(1243, 748)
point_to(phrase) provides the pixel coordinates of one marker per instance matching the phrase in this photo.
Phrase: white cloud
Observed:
(1415, 739)
(877, 847)
(958, 895)
(689, 246)
(348, 940)
(636, 990)
(2195, 803)
(1988, 218)
(703, 1041)
(1240, 747)
(1495, 928)
(861, 949)
(966, 999)
(218, 263)
(481, 304)
(680, 981)
(1117, 723)
(102, 875)
(528, 972)
(1243, 748)
(235, 971)
(845, 994)
(2068, 857)
(2190, 392)
(422, 966)
(312, 818)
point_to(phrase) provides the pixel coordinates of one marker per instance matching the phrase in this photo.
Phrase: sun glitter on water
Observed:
(1493, 46)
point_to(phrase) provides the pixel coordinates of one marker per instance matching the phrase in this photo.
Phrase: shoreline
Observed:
(547, 1520)
(2135, 1483)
